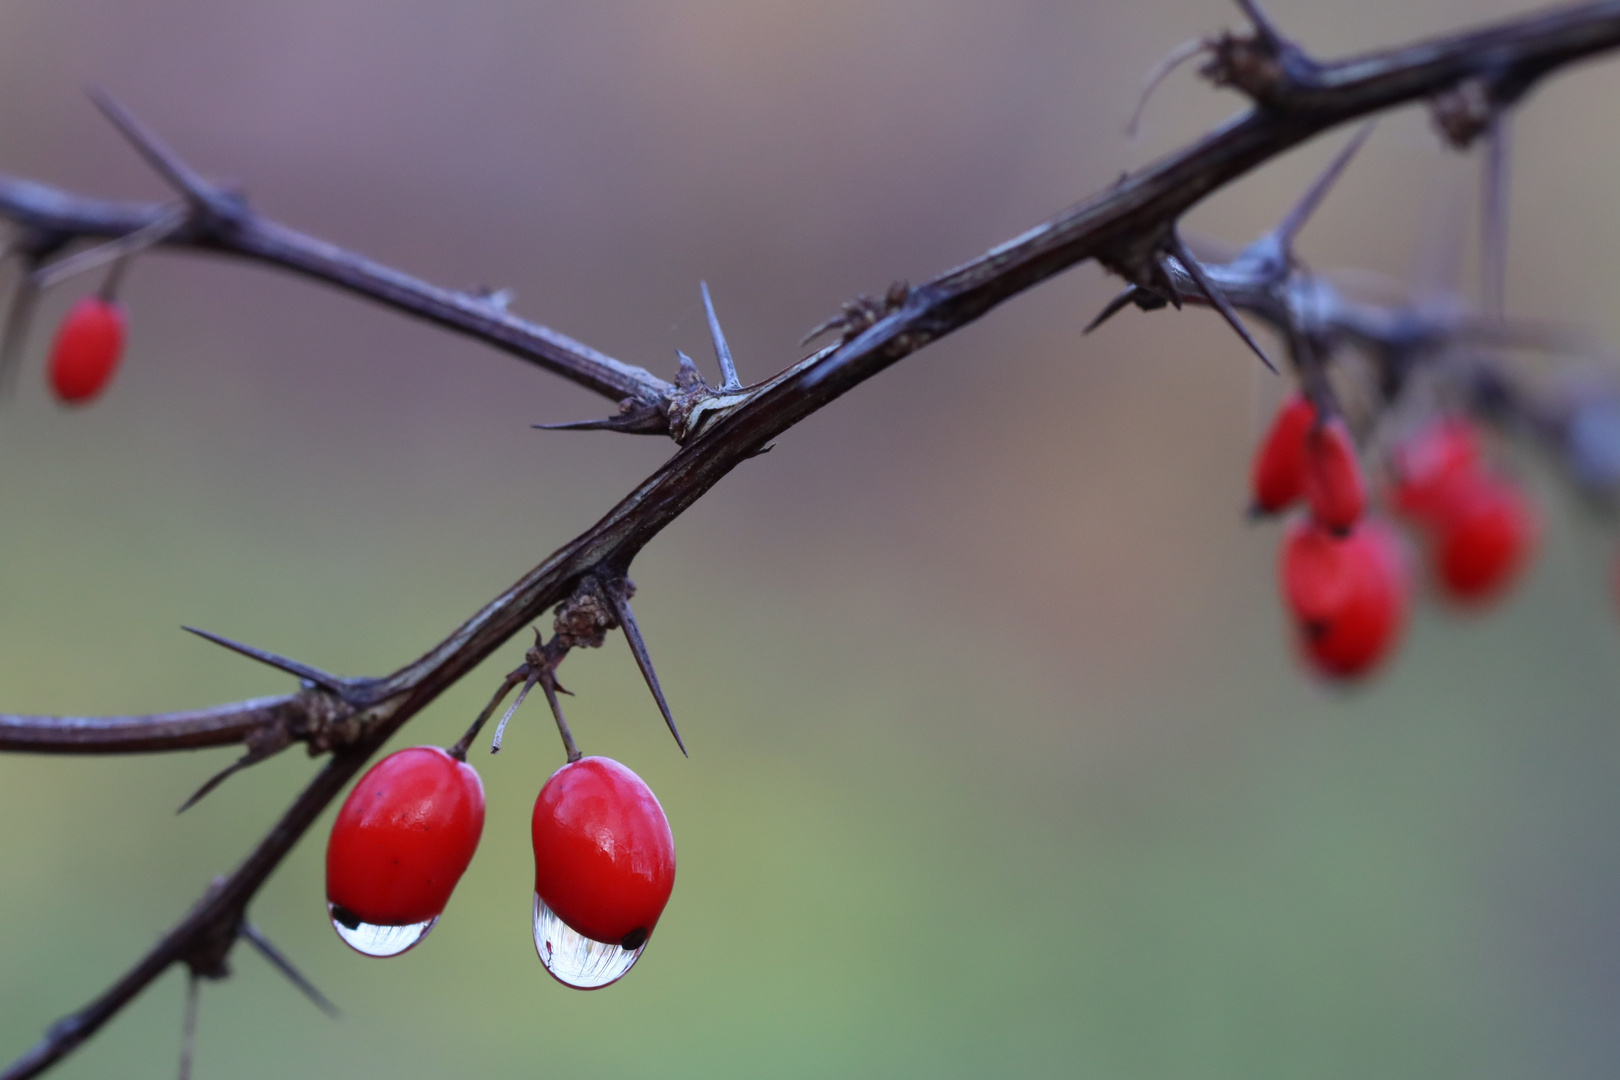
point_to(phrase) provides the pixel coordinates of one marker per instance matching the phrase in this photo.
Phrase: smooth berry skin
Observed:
(1483, 541)
(1279, 466)
(88, 346)
(1433, 466)
(1347, 594)
(404, 837)
(604, 856)
(1334, 486)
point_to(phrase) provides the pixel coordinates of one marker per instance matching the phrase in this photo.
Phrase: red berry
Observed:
(1279, 466)
(87, 349)
(604, 858)
(1347, 594)
(1429, 466)
(401, 842)
(1334, 486)
(1483, 539)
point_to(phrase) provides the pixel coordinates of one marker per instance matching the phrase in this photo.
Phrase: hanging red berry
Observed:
(1347, 594)
(1430, 467)
(1279, 465)
(604, 865)
(401, 842)
(1483, 540)
(1334, 486)
(88, 345)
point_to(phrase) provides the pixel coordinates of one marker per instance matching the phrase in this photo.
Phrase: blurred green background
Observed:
(1001, 763)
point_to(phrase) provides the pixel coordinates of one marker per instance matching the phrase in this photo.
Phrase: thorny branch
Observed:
(1129, 228)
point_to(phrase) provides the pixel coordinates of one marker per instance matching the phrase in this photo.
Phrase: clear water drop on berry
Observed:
(574, 959)
(373, 939)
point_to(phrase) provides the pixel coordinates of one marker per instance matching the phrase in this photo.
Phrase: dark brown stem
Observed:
(1124, 226)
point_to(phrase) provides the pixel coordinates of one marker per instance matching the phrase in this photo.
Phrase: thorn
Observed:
(644, 421)
(252, 757)
(1296, 218)
(1494, 208)
(121, 248)
(1112, 308)
(19, 316)
(283, 965)
(1161, 71)
(166, 162)
(621, 607)
(338, 686)
(500, 729)
(823, 326)
(1264, 28)
(1195, 269)
(722, 351)
(188, 1025)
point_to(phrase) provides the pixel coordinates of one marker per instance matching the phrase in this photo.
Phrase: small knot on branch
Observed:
(584, 619)
(330, 722)
(1464, 112)
(1260, 64)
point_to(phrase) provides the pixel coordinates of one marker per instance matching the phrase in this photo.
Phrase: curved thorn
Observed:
(157, 154)
(722, 351)
(822, 327)
(500, 729)
(1112, 308)
(293, 667)
(1195, 270)
(1296, 218)
(632, 632)
(250, 758)
(1161, 71)
(282, 964)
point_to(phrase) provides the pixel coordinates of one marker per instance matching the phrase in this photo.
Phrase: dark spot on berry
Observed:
(345, 918)
(634, 939)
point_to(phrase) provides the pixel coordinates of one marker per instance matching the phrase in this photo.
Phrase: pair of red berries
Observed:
(1344, 578)
(1480, 527)
(88, 346)
(604, 860)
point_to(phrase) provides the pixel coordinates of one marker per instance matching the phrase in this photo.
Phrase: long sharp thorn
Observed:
(632, 633)
(188, 1025)
(303, 671)
(1112, 308)
(722, 351)
(500, 728)
(1216, 297)
(165, 161)
(1494, 207)
(1162, 71)
(1302, 211)
(250, 758)
(283, 965)
(19, 315)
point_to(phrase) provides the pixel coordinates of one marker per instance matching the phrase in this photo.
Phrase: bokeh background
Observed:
(1001, 761)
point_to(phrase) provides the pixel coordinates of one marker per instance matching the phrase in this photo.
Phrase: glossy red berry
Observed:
(88, 345)
(400, 843)
(1347, 594)
(1430, 467)
(604, 865)
(1279, 465)
(1334, 486)
(1482, 541)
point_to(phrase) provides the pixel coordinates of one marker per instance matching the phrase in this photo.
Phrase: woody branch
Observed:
(1129, 228)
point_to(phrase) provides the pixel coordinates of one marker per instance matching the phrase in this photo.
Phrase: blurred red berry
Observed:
(1431, 466)
(1279, 465)
(1482, 539)
(1347, 594)
(1334, 486)
(88, 345)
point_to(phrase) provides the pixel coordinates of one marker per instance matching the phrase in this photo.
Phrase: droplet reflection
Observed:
(374, 940)
(574, 959)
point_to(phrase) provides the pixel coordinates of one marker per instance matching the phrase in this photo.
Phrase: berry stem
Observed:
(459, 751)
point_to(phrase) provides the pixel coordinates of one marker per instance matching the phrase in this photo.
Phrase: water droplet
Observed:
(373, 939)
(574, 959)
